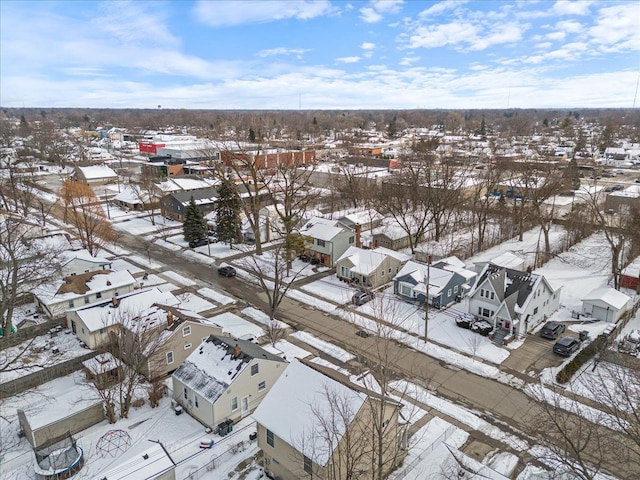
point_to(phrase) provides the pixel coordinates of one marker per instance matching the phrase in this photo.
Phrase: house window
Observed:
(234, 403)
(270, 439)
(493, 295)
(382, 273)
(186, 331)
(187, 346)
(352, 239)
(535, 310)
(102, 330)
(320, 243)
(449, 293)
(195, 400)
(86, 299)
(169, 358)
(485, 312)
(482, 292)
(405, 290)
(185, 393)
(99, 295)
(479, 310)
(70, 303)
(262, 385)
(389, 269)
(254, 369)
(455, 289)
(307, 464)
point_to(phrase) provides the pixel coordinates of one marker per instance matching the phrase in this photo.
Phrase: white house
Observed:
(513, 301)
(329, 239)
(81, 261)
(96, 175)
(606, 304)
(225, 379)
(371, 268)
(56, 298)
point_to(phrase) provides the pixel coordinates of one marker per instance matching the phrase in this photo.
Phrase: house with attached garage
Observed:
(327, 240)
(513, 301)
(74, 262)
(417, 280)
(316, 423)
(225, 379)
(370, 268)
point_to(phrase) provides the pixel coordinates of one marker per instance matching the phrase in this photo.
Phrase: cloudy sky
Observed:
(320, 54)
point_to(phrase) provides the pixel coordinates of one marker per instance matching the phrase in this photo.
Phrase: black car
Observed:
(200, 242)
(552, 330)
(304, 257)
(482, 327)
(227, 271)
(360, 298)
(566, 346)
(465, 322)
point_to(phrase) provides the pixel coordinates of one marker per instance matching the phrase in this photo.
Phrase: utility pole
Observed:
(426, 301)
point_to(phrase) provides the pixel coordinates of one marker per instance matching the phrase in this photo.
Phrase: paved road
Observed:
(505, 406)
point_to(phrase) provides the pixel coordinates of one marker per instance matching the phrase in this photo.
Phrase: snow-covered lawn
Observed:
(237, 326)
(265, 264)
(261, 317)
(331, 288)
(176, 277)
(287, 350)
(326, 347)
(216, 296)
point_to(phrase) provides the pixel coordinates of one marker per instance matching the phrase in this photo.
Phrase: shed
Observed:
(606, 304)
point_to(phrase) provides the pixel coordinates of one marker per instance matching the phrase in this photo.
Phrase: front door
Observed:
(73, 326)
(245, 405)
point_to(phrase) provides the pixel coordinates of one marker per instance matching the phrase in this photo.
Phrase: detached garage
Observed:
(606, 304)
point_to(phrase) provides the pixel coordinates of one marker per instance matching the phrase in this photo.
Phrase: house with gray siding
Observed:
(327, 240)
(416, 281)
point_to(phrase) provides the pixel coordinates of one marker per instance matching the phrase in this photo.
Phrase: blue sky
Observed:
(319, 54)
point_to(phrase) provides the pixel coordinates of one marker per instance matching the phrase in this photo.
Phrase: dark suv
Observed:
(360, 298)
(200, 242)
(566, 346)
(552, 330)
(227, 271)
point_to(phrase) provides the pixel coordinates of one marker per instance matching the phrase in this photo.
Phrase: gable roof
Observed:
(363, 261)
(294, 403)
(203, 196)
(322, 228)
(608, 295)
(418, 272)
(87, 283)
(97, 171)
(71, 255)
(215, 364)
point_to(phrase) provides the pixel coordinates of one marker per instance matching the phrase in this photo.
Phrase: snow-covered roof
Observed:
(101, 363)
(292, 407)
(217, 362)
(70, 255)
(507, 260)
(608, 295)
(83, 284)
(364, 261)
(141, 305)
(97, 171)
(633, 269)
(322, 228)
(438, 278)
(131, 196)
(140, 462)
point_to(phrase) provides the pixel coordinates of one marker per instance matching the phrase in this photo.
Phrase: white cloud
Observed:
(432, 36)
(367, 46)
(441, 7)
(567, 7)
(503, 33)
(269, 52)
(556, 36)
(354, 59)
(569, 26)
(617, 28)
(407, 61)
(377, 8)
(224, 13)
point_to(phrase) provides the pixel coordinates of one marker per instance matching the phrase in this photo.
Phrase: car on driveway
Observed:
(483, 327)
(552, 329)
(360, 298)
(227, 271)
(199, 242)
(566, 346)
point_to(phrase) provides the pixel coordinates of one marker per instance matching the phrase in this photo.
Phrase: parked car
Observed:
(227, 271)
(552, 329)
(617, 187)
(198, 242)
(304, 257)
(465, 321)
(360, 298)
(566, 346)
(482, 327)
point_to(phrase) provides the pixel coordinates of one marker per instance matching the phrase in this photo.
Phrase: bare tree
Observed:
(481, 202)
(86, 215)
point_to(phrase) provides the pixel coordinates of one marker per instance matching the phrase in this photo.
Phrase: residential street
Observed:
(499, 404)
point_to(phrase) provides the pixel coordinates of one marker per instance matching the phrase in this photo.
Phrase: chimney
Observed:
(236, 351)
(358, 231)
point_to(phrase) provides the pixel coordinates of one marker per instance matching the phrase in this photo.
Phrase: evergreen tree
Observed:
(194, 226)
(228, 208)
(392, 129)
(483, 128)
(252, 135)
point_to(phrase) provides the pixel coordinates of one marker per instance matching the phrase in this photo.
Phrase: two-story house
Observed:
(515, 302)
(316, 423)
(370, 268)
(225, 379)
(329, 239)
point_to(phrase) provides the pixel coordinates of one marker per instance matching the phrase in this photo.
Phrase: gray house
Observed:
(444, 287)
(225, 379)
(174, 204)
